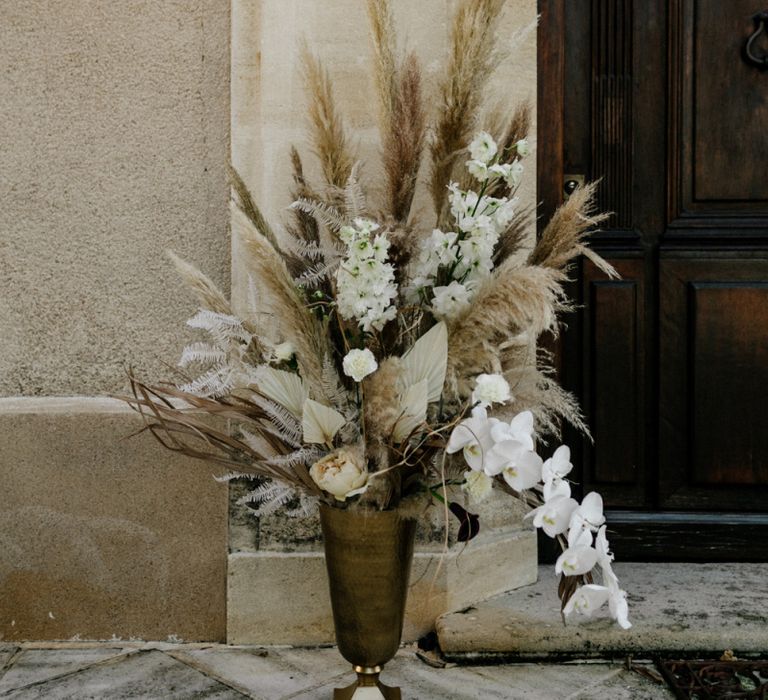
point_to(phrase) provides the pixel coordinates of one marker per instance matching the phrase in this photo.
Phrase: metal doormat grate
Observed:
(710, 680)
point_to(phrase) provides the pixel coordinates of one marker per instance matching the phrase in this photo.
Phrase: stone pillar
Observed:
(114, 121)
(269, 557)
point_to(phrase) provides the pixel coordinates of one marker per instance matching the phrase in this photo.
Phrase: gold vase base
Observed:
(367, 678)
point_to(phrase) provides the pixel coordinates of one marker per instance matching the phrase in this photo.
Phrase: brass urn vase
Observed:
(368, 556)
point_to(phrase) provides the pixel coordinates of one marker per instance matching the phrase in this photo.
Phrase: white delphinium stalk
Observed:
(452, 265)
(365, 281)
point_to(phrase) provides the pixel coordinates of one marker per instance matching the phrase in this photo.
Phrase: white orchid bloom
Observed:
(558, 465)
(589, 515)
(577, 538)
(555, 488)
(473, 437)
(553, 517)
(605, 556)
(586, 600)
(617, 604)
(520, 467)
(519, 429)
(576, 560)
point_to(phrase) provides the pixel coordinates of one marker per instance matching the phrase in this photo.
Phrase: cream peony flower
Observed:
(358, 364)
(341, 473)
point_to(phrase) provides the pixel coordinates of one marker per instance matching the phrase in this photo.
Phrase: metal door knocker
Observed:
(761, 29)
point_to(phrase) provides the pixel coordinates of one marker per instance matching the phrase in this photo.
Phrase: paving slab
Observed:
(34, 666)
(674, 608)
(151, 675)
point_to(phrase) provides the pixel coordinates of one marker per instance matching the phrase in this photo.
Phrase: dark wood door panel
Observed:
(613, 381)
(718, 105)
(713, 427)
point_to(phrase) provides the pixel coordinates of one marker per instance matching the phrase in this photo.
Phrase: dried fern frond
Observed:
(515, 300)
(206, 292)
(473, 57)
(328, 133)
(563, 237)
(281, 298)
(404, 140)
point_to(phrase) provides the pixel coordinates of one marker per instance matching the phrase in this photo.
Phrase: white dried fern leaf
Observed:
(325, 213)
(223, 328)
(201, 353)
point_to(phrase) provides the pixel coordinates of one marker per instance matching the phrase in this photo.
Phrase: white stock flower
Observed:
(341, 473)
(515, 174)
(490, 389)
(478, 485)
(483, 147)
(523, 148)
(586, 600)
(358, 364)
(576, 560)
(366, 284)
(450, 300)
(479, 170)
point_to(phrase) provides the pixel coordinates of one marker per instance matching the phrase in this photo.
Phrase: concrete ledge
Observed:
(674, 608)
(103, 537)
(282, 598)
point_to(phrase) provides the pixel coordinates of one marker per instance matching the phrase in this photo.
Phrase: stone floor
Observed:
(112, 671)
(675, 609)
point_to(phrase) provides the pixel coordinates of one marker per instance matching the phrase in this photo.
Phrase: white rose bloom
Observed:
(478, 485)
(490, 388)
(450, 300)
(358, 364)
(523, 148)
(341, 473)
(483, 147)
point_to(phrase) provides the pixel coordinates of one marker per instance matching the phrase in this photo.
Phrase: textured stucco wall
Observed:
(114, 125)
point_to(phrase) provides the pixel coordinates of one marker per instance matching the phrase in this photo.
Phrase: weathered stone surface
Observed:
(37, 665)
(115, 130)
(139, 675)
(673, 608)
(102, 536)
(258, 611)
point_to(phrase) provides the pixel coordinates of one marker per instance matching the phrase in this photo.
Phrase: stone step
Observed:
(675, 609)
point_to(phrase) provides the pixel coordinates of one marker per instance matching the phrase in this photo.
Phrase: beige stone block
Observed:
(114, 121)
(282, 598)
(102, 536)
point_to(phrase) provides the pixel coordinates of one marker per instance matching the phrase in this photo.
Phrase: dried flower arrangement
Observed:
(377, 342)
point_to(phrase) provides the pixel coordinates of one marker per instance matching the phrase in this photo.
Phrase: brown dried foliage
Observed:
(328, 134)
(472, 60)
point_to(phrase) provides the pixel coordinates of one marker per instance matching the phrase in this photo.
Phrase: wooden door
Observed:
(659, 99)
